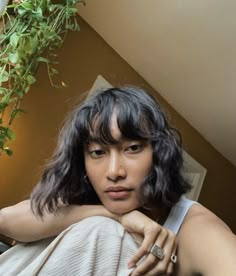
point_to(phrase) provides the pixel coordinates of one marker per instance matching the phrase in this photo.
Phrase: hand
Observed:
(149, 233)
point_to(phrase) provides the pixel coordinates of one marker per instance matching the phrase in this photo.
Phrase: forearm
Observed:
(19, 223)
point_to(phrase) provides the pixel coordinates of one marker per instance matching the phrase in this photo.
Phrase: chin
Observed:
(119, 210)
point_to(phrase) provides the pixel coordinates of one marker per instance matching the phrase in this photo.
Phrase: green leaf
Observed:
(31, 79)
(8, 151)
(42, 59)
(2, 106)
(6, 99)
(10, 134)
(4, 77)
(27, 5)
(13, 58)
(2, 132)
(20, 10)
(3, 140)
(14, 39)
(38, 12)
(34, 44)
(2, 36)
(16, 112)
(72, 10)
(36, 26)
(3, 90)
(19, 92)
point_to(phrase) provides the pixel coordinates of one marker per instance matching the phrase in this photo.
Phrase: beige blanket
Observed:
(95, 246)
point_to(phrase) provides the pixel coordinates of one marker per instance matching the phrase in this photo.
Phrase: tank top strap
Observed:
(178, 213)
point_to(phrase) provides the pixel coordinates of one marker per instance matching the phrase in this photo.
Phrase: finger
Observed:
(153, 272)
(170, 268)
(144, 249)
(151, 261)
(163, 266)
(171, 265)
(169, 247)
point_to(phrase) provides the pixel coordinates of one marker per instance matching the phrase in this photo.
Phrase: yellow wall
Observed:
(84, 56)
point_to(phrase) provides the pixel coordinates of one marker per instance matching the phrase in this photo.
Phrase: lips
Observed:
(117, 189)
(118, 192)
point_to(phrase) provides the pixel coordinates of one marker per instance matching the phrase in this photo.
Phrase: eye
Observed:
(95, 150)
(135, 148)
(96, 153)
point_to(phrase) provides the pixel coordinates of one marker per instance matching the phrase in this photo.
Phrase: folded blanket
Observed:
(95, 246)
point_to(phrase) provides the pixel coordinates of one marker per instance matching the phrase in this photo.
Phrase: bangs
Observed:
(133, 123)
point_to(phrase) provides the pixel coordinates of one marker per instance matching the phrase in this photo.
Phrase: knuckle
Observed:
(165, 232)
(155, 227)
(142, 252)
(145, 251)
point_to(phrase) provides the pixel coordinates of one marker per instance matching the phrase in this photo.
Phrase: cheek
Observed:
(146, 165)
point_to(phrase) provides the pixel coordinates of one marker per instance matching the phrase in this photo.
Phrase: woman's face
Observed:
(118, 171)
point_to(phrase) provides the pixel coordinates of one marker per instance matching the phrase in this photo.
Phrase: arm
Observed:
(206, 245)
(19, 223)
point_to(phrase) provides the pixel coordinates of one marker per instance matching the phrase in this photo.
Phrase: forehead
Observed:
(98, 131)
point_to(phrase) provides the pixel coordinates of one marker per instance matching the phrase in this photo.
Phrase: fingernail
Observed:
(131, 265)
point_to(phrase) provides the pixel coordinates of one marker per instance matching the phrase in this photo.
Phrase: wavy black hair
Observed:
(139, 116)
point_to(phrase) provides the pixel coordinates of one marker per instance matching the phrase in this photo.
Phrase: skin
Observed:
(117, 171)
(19, 223)
(202, 235)
(124, 165)
(205, 244)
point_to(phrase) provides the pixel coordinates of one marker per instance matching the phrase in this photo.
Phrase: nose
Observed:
(116, 167)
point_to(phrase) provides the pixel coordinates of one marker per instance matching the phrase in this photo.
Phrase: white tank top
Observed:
(178, 213)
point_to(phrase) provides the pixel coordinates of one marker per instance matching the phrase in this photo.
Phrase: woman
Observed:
(117, 157)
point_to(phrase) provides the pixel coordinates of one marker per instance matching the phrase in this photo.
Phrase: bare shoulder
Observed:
(199, 216)
(206, 244)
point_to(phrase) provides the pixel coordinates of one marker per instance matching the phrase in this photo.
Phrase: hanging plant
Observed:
(30, 32)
